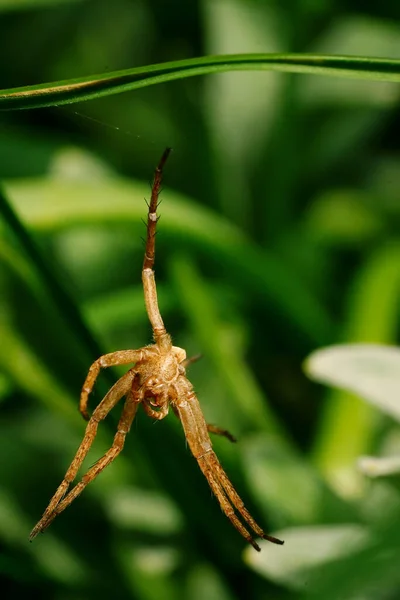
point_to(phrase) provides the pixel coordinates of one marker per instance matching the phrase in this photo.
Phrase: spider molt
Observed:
(157, 381)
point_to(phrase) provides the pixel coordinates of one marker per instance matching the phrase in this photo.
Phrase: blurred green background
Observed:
(278, 235)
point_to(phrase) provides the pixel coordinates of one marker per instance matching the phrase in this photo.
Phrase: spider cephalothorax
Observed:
(156, 381)
(165, 382)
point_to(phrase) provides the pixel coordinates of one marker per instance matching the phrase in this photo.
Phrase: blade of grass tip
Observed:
(48, 275)
(348, 424)
(96, 86)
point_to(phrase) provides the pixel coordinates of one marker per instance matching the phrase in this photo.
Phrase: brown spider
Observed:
(157, 381)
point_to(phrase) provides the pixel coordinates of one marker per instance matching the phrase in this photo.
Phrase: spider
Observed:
(156, 381)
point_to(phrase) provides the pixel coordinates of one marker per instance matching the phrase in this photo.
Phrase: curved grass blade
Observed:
(104, 84)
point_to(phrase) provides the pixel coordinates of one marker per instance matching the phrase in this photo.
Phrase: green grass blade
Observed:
(104, 84)
(21, 5)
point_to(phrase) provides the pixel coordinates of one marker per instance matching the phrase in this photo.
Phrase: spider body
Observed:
(162, 379)
(156, 381)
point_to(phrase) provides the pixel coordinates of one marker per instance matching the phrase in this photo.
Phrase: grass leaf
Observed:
(105, 84)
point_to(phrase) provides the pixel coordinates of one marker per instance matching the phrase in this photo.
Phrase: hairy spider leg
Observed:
(126, 385)
(222, 432)
(227, 507)
(199, 442)
(215, 466)
(212, 428)
(121, 357)
(189, 361)
(161, 337)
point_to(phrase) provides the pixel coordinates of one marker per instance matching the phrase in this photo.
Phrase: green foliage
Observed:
(371, 372)
(278, 235)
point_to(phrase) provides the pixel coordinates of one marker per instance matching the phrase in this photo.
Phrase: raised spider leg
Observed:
(199, 442)
(121, 357)
(125, 385)
(161, 336)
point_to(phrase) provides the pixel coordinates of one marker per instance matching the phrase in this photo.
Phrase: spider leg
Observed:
(212, 428)
(215, 467)
(199, 442)
(219, 431)
(121, 357)
(125, 385)
(124, 425)
(227, 507)
(189, 361)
